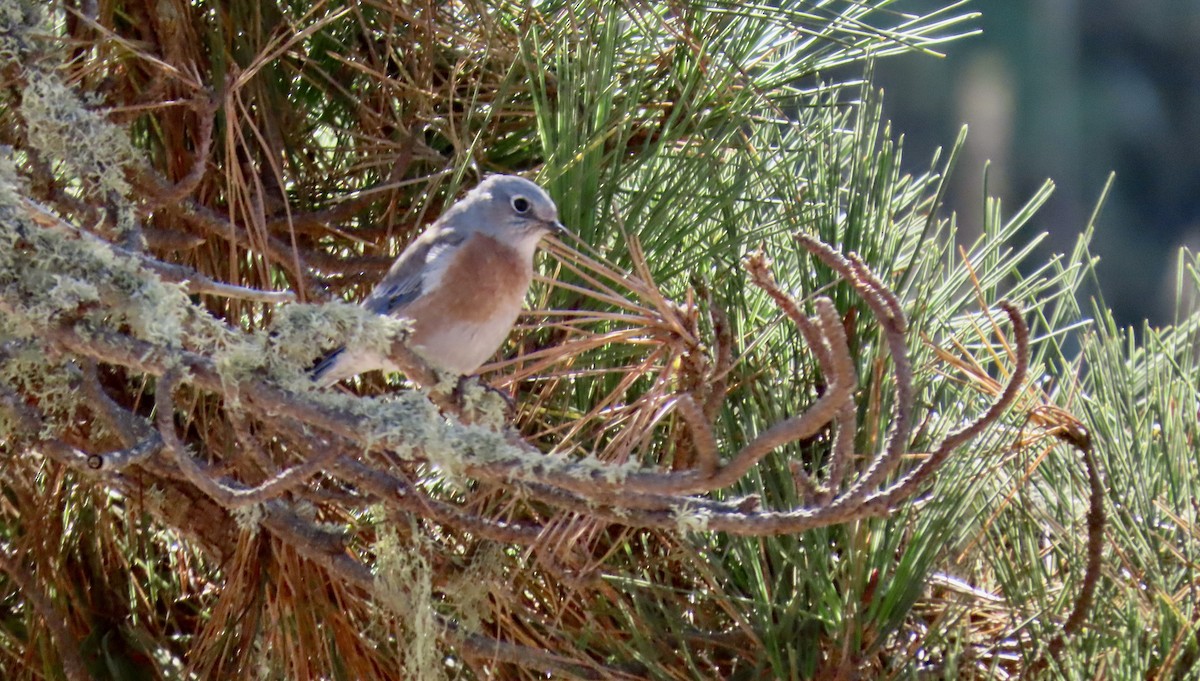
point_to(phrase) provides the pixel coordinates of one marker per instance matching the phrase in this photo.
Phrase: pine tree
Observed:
(766, 420)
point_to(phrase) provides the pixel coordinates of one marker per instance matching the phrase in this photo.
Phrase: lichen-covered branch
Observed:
(453, 434)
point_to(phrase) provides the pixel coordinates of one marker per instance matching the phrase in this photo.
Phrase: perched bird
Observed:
(462, 282)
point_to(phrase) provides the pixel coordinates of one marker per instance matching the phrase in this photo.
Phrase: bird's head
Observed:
(510, 209)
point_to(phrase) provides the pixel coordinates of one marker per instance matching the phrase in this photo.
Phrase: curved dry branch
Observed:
(206, 109)
(886, 308)
(221, 492)
(1069, 429)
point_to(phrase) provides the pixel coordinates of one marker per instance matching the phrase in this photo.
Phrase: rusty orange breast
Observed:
(486, 278)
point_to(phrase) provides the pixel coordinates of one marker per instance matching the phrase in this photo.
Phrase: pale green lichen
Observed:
(468, 592)
(64, 129)
(300, 334)
(52, 274)
(404, 582)
(404, 423)
(47, 273)
(691, 519)
(446, 383)
(12, 185)
(70, 292)
(472, 443)
(249, 518)
(488, 406)
(47, 382)
(241, 359)
(410, 424)
(18, 23)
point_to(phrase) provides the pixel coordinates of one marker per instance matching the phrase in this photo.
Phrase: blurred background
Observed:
(1069, 90)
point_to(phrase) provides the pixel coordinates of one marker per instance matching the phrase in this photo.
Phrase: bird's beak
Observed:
(558, 229)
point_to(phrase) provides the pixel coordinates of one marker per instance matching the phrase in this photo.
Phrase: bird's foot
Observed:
(477, 396)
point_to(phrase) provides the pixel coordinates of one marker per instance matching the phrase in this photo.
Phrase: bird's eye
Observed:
(520, 204)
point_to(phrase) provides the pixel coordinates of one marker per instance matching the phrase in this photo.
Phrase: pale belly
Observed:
(465, 346)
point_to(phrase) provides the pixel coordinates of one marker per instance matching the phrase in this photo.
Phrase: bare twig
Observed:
(400, 494)
(907, 486)
(703, 440)
(887, 311)
(1068, 429)
(225, 495)
(206, 111)
(193, 282)
(845, 426)
(212, 223)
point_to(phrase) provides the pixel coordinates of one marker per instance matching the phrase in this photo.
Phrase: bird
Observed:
(462, 283)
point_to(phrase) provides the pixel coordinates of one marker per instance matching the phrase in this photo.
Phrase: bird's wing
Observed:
(320, 371)
(415, 272)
